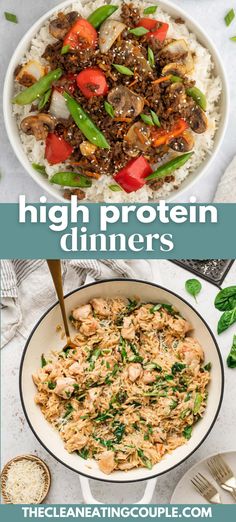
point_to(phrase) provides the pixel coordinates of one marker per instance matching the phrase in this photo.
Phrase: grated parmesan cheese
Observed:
(25, 482)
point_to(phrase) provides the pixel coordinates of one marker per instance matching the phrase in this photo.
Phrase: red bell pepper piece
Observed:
(156, 28)
(82, 35)
(92, 82)
(57, 149)
(132, 176)
(162, 137)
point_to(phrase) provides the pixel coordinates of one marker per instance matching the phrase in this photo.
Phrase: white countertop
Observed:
(209, 13)
(18, 439)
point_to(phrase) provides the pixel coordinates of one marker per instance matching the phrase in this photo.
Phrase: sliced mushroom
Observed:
(178, 69)
(198, 120)
(178, 51)
(60, 26)
(137, 139)
(39, 125)
(108, 34)
(133, 57)
(30, 73)
(176, 95)
(125, 102)
(183, 143)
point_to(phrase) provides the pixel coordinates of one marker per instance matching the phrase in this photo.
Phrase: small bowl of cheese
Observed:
(25, 479)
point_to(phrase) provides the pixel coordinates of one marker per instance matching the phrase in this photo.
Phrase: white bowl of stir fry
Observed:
(151, 151)
(138, 390)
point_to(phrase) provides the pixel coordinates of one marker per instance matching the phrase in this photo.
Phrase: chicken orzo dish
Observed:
(129, 388)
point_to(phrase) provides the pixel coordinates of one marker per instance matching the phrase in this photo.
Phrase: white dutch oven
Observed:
(23, 46)
(44, 338)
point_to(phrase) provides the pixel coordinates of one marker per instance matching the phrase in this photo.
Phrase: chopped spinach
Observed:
(43, 361)
(208, 367)
(177, 367)
(69, 409)
(144, 459)
(187, 432)
(83, 453)
(122, 349)
(51, 385)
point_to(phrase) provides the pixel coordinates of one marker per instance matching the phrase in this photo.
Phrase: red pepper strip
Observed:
(81, 36)
(156, 28)
(92, 82)
(162, 137)
(57, 149)
(132, 176)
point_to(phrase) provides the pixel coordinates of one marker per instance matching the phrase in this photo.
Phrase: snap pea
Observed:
(70, 179)
(170, 166)
(101, 14)
(85, 124)
(37, 89)
(198, 97)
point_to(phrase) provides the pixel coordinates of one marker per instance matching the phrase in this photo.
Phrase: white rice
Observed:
(203, 74)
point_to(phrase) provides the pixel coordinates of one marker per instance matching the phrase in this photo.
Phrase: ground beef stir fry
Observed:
(130, 387)
(132, 81)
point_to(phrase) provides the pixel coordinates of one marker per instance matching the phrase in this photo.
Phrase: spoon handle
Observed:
(54, 266)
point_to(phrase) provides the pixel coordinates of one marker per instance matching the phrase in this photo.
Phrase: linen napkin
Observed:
(226, 190)
(27, 289)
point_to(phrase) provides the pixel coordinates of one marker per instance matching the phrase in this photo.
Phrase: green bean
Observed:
(85, 124)
(101, 14)
(37, 89)
(70, 179)
(169, 167)
(198, 97)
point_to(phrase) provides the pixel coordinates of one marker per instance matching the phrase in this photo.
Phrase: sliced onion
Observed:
(33, 69)
(58, 106)
(109, 32)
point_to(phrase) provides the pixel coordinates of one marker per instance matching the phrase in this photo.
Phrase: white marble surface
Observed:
(209, 13)
(18, 439)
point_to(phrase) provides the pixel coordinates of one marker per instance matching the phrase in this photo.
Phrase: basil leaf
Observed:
(122, 69)
(150, 10)
(226, 299)
(151, 57)
(109, 109)
(193, 287)
(231, 359)
(139, 31)
(227, 319)
(229, 17)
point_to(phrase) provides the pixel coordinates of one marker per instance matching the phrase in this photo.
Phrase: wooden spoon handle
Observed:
(54, 266)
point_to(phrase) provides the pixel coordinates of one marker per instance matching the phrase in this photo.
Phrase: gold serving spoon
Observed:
(54, 266)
